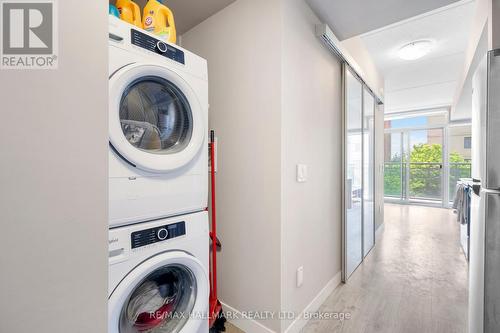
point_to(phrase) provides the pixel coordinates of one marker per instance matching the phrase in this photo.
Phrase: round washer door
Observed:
(160, 295)
(155, 118)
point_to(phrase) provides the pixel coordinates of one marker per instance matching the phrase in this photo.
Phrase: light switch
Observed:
(301, 173)
(300, 276)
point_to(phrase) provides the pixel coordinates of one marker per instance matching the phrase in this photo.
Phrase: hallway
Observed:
(414, 280)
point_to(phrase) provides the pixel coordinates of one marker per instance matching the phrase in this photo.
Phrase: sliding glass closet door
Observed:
(353, 145)
(359, 172)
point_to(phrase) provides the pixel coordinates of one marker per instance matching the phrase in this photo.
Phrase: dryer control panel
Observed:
(156, 46)
(157, 234)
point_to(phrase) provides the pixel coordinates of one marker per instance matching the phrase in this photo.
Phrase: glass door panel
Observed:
(459, 149)
(353, 227)
(368, 172)
(425, 168)
(393, 165)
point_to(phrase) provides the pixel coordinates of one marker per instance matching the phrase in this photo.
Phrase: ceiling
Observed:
(429, 82)
(348, 18)
(189, 13)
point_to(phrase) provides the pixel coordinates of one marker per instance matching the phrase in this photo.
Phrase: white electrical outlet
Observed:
(300, 276)
(301, 173)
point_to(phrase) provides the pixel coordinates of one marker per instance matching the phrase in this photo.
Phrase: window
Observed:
(413, 121)
(155, 116)
(467, 142)
(161, 303)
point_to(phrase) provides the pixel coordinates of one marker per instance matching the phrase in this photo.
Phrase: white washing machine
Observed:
(158, 276)
(158, 127)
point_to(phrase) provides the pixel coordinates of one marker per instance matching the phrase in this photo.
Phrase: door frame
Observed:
(123, 290)
(119, 83)
(405, 195)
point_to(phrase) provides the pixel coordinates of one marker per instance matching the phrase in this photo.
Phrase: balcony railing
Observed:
(424, 181)
(457, 171)
(394, 179)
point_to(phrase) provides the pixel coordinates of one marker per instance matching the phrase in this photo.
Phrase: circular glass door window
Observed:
(161, 303)
(155, 116)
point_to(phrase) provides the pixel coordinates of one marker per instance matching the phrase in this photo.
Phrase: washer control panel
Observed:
(157, 46)
(157, 234)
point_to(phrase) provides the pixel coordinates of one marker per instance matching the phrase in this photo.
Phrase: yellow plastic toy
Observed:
(129, 12)
(159, 19)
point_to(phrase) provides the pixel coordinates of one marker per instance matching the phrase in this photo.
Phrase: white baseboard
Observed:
(244, 323)
(249, 325)
(379, 231)
(299, 322)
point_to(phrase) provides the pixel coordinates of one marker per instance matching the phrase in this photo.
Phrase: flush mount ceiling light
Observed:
(415, 50)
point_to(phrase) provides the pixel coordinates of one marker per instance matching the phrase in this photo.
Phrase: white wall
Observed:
(275, 102)
(495, 24)
(270, 103)
(484, 36)
(53, 176)
(312, 135)
(485, 32)
(242, 46)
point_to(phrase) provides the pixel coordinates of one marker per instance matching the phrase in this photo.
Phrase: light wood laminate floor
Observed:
(414, 280)
(232, 329)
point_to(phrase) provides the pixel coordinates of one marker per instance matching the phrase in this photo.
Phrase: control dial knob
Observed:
(161, 46)
(162, 234)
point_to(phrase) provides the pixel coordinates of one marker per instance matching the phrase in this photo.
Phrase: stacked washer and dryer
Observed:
(158, 185)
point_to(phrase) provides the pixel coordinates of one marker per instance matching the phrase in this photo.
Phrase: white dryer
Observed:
(158, 127)
(158, 276)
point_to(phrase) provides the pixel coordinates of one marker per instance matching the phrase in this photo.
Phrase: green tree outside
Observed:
(425, 171)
